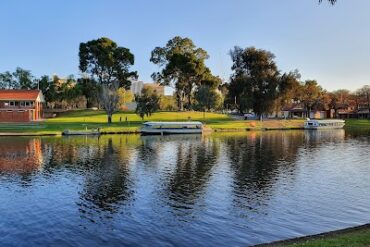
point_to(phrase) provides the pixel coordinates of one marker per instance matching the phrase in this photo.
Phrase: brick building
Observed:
(20, 105)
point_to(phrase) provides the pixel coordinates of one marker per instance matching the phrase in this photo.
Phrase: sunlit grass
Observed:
(89, 119)
(355, 238)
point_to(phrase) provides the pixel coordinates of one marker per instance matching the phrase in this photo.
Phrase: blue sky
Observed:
(329, 44)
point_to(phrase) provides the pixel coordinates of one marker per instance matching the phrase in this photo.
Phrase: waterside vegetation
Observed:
(129, 122)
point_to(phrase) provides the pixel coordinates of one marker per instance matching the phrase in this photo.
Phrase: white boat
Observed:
(166, 128)
(324, 124)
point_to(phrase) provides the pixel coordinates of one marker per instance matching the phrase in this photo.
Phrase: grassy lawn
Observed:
(82, 119)
(362, 123)
(79, 120)
(357, 237)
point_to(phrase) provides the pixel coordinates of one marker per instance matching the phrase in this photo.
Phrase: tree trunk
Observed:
(109, 118)
(189, 102)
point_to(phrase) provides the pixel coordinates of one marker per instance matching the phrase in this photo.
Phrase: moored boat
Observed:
(166, 128)
(324, 124)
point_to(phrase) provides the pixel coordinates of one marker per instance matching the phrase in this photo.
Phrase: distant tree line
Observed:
(256, 83)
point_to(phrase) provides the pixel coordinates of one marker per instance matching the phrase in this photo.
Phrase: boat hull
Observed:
(324, 124)
(324, 127)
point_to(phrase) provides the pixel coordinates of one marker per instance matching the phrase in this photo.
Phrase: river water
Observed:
(235, 189)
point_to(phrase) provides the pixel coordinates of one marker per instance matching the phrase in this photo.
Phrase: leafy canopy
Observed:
(255, 81)
(147, 103)
(182, 67)
(106, 61)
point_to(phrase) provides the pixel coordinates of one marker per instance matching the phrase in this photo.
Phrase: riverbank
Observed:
(129, 122)
(354, 237)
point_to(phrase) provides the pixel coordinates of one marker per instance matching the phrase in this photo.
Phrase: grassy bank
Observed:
(88, 119)
(354, 237)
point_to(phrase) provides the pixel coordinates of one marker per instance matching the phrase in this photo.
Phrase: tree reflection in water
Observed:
(257, 160)
(192, 171)
(102, 163)
(107, 185)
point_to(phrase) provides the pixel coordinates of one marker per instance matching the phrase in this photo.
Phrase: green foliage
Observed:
(182, 67)
(125, 96)
(255, 81)
(147, 103)
(6, 81)
(289, 89)
(168, 103)
(90, 88)
(312, 94)
(332, 2)
(105, 60)
(207, 98)
(19, 79)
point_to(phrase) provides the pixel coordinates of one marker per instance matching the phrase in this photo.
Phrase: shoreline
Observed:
(88, 120)
(320, 236)
(130, 132)
(137, 131)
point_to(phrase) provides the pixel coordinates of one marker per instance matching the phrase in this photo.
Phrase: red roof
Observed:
(17, 94)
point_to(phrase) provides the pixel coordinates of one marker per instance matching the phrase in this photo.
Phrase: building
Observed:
(297, 110)
(21, 105)
(156, 87)
(136, 87)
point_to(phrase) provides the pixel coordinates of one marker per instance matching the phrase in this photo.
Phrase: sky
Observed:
(330, 44)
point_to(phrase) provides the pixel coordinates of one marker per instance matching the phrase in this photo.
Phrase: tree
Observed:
(168, 103)
(23, 78)
(182, 67)
(207, 95)
(6, 80)
(19, 79)
(255, 80)
(289, 89)
(110, 64)
(363, 95)
(339, 98)
(147, 102)
(126, 96)
(312, 95)
(105, 60)
(207, 98)
(90, 89)
(48, 89)
(110, 99)
(332, 2)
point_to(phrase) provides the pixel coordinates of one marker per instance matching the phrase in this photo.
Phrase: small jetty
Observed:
(81, 132)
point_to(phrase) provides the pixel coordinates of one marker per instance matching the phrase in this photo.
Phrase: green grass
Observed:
(82, 119)
(354, 238)
(362, 123)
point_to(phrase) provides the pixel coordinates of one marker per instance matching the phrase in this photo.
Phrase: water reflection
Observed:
(20, 155)
(107, 185)
(222, 189)
(257, 161)
(191, 173)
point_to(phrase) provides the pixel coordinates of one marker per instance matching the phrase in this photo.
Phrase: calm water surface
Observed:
(216, 190)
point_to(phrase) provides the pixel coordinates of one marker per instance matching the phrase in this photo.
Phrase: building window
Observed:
(22, 103)
(11, 103)
(28, 104)
(6, 103)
